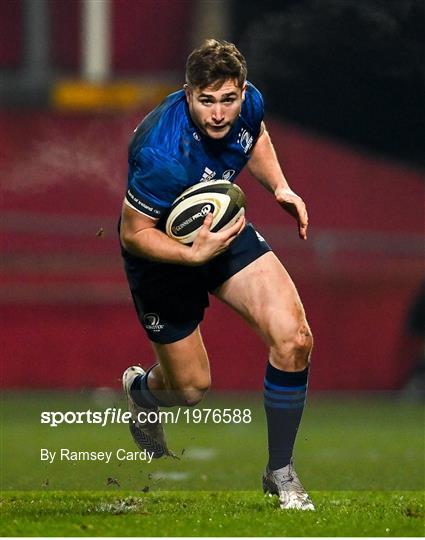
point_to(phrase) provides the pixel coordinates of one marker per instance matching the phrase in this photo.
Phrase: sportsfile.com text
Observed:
(117, 416)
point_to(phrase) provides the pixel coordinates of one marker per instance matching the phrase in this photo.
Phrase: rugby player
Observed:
(212, 128)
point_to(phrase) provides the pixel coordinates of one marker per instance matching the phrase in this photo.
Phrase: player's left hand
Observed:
(295, 206)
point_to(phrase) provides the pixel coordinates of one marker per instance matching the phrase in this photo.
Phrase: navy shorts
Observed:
(170, 299)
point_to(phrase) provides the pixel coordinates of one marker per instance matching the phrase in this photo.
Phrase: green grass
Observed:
(221, 513)
(362, 460)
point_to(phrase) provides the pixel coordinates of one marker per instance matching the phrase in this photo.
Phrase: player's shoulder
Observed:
(159, 162)
(253, 93)
(253, 107)
(158, 129)
(253, 99)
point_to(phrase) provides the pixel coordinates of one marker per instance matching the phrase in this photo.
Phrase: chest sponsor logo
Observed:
(245, 139)
(208, 174)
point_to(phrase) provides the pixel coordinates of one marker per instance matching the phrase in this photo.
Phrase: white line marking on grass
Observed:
(201, 454)
(170, 475)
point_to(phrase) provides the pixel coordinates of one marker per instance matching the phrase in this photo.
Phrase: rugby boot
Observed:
(147, 435)
(286, 485)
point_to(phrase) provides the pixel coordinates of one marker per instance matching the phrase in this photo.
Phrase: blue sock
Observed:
(140, 392)
(284, 398)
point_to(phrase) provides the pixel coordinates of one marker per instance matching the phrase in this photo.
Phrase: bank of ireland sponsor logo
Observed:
(227, 175)
(151, 322)
(131, 198)
(245, 139)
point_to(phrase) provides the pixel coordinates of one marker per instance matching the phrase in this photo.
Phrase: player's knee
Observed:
(190, 395)
(292, 352)
(301, 345)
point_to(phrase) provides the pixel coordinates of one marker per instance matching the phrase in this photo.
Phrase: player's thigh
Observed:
(184, 363)
(169, 299)
(265, 295)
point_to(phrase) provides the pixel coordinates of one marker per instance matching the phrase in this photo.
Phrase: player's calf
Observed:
(186, 390)
(285, 392)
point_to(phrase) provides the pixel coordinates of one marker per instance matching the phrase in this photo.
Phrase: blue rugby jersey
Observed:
(168, 153)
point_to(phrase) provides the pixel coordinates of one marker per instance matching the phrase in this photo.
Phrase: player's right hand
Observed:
(208, 245)
(295, 206)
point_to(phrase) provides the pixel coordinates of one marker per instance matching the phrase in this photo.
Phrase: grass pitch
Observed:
(361, 460)
(216, 513)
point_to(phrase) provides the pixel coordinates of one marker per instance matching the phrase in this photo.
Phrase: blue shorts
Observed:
(170, 299)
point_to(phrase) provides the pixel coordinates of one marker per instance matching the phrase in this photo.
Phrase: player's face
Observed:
(213, 110)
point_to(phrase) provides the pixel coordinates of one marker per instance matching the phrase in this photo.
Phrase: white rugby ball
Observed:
(225, 200)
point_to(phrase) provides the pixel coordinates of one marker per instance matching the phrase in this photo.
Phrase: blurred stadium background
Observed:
(343, 84)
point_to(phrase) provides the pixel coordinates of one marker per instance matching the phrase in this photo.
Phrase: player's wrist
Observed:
(190, 256)
(282, 188)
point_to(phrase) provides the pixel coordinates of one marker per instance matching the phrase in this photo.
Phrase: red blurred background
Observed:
(67, 317)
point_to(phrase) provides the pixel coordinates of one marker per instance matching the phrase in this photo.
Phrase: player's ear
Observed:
(187, 91)
(243, 91)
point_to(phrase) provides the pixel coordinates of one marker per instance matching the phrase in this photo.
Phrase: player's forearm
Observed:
(154, 244)
(264, 165)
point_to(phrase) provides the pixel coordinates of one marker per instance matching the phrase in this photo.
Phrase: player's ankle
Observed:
(141, 395)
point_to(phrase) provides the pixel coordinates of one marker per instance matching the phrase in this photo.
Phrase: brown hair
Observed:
(215, 62)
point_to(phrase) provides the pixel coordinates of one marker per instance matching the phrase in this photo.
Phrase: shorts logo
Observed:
(151, 322)
(227, 175)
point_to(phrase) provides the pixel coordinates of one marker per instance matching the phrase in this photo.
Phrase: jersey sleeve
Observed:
(154, 182)
(253, 109)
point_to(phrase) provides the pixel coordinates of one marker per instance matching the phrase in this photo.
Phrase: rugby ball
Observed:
(225, 200)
